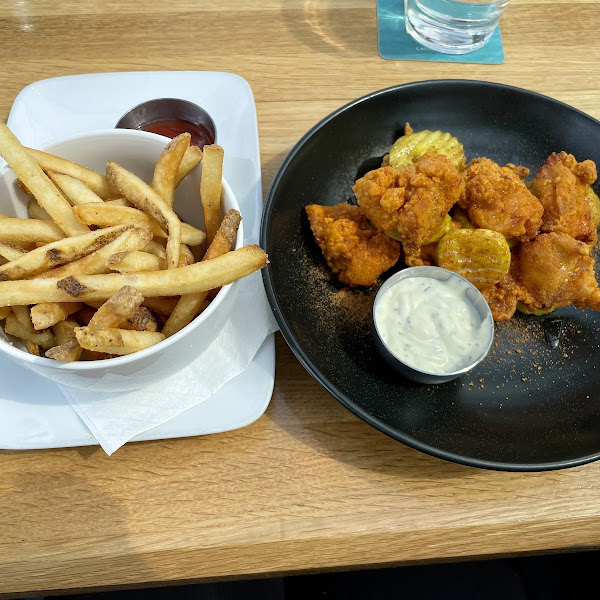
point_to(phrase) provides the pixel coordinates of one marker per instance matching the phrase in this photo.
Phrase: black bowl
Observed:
(528, 406)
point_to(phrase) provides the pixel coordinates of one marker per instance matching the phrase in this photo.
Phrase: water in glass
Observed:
(453, 26)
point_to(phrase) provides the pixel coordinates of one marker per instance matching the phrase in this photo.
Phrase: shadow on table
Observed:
(317, 25)
(553, 577)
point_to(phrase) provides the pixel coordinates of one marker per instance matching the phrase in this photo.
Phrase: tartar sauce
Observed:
(431, 325)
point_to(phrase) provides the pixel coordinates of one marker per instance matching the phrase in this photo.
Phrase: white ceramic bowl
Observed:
(138, 152)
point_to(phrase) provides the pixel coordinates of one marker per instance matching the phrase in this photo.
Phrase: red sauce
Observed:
(173, 127)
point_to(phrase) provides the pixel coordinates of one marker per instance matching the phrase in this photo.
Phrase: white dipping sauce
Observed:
(431, 325)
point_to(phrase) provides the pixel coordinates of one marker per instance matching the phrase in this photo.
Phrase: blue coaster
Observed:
(395, 43)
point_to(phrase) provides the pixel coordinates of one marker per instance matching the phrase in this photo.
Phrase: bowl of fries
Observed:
(119, 256)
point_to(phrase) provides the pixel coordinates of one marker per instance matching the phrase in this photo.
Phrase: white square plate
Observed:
(34, 412)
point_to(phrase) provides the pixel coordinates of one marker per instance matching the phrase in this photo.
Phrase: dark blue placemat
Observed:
(395, 43)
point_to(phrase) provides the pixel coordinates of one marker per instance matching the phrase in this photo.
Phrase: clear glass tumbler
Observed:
(453, 26)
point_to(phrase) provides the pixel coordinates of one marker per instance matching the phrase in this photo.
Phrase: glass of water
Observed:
(453, 26)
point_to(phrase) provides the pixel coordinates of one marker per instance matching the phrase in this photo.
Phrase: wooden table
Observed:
(308, 486)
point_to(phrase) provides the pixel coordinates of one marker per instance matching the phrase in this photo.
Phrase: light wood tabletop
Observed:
(308, 486)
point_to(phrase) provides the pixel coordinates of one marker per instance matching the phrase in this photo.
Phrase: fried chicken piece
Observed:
(413, 201)
(421, 256)
(562, 185)
(520, 171)
(502, 298)
(555, 270)
(355, 252)
(497, 198)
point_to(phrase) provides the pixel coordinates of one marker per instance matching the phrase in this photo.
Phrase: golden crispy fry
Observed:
(47, 314)
(68, 349)
(22, 187)
(117, 202)
(116, 341)
(210, 189)
(155, 248)
(188, 306)
(135, 262)
(198, 277)
(58, 253)
(10, 251)
(91, 355)
(161, 305)
(116, 309)
(191, 159)
(14, 230)
(14, 326)
(106, 214)
(32, 348)
(186, 256)
(141, 320)
(30, 173)
(95, 181)
(164, 181)
(97, 262)
(74, 190)
(4, 312)
(35, 211)
(84, 315)
(144, 197)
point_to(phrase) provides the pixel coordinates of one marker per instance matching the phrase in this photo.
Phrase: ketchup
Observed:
(173, 127)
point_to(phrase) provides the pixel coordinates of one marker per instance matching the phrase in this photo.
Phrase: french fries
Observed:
(189, 305)
(47, 314)
(116, 309)
(10, 251)
(199, 277)
(58, 253)
(210, 189)
(191, 159)
(35, 211)
(15, 230)
(75, 190)
(59, 292)
(164, 181)
(97, 262)
(14, 327)
(116, 341)
(156, 249)
(32, 348)
(95, 181)
(135, 262)
(140, 320)
(106, 215)
(68, 349)
(144, 197)
(37, 182)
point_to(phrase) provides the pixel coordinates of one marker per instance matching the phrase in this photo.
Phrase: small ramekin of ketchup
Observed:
(170, 117)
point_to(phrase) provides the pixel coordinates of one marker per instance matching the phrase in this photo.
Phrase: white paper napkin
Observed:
(116, 417)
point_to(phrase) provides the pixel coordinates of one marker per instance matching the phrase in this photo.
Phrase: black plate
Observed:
(528, 406)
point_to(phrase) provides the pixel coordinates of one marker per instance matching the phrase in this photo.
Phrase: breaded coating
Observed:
(555, 270)
(497, 198)
(519, 170)
(413, 201)
(502, 297)
(356, 252)
(562, 185)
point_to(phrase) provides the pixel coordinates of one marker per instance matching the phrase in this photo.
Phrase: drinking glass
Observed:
(453, 26)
